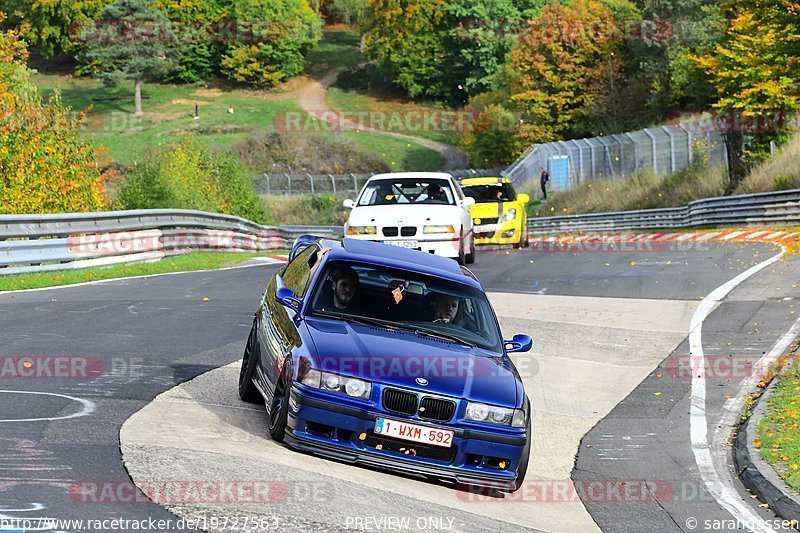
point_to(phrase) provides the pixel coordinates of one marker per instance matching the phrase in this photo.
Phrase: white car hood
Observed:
(404, 215)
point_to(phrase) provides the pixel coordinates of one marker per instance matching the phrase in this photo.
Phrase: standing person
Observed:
(544, 178)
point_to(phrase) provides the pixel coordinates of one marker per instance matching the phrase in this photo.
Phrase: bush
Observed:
(292, 153)
(491, 139)
(319, 210)
(188, 176)
(45, 166)
(291, 28)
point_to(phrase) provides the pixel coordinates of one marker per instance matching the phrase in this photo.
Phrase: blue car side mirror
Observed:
(520, 343)
(285, 296)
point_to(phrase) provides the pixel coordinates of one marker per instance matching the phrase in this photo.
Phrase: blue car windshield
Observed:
(398, 298)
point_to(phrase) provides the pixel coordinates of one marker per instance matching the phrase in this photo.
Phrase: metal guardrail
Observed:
(31, 243)
(760, 209)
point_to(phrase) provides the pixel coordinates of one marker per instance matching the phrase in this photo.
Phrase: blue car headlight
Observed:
(327, 381)
(480, 412)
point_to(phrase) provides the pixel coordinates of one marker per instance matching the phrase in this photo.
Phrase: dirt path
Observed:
(312, 100)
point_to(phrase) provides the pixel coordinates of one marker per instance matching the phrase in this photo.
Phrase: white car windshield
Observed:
(407, 191)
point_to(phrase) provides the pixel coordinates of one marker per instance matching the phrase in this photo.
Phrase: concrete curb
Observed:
(756, 473)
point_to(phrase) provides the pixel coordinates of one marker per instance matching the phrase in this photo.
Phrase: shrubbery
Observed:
(45, 167)
(188, 176)
(281, 152)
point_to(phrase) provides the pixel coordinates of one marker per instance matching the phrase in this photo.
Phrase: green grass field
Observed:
(779, 428)
(409, 116)
(178, 263)
(169, 111)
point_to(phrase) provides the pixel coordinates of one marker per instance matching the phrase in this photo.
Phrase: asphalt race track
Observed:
(100, 385)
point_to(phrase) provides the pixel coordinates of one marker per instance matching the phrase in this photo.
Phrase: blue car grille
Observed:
(399, 401)
(435, 453)
(437, 409)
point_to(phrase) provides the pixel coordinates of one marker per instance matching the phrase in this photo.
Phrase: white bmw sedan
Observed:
(424, 211)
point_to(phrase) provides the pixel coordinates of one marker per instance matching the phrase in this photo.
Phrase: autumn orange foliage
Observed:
(45, 167)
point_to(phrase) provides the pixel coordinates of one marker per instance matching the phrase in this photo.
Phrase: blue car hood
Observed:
(399, 357)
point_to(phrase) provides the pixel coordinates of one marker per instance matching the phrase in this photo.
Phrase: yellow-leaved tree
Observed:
(45, 167)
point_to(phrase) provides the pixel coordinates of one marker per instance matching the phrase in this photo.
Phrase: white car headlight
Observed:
(480, 412)
(355, 388)
(511, 214)
(438, 229)
(362, 230)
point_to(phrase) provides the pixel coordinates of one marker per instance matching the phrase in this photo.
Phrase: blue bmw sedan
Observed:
(389, 358)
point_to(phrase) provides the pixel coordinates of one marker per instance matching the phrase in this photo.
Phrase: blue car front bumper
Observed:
(344, 432)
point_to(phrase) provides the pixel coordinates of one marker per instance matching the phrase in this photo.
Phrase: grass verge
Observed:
(778, 435)
(643, 190)
(178, 263)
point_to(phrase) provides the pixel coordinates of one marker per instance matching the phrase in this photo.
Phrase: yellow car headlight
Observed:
(438, 229)
(362, 230)
(511, 214)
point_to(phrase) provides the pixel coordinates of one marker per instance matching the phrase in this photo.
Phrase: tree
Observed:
(407, 40)
(756, 74)
(561, 67)
(49, 24)
(45, 166)
(130, 41)
(286, 30)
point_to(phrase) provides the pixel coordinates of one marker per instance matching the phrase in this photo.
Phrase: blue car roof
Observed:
(393, 256)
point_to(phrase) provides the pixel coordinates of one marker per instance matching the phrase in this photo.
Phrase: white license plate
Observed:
(485, 228)
(403, 244)
(414, 432)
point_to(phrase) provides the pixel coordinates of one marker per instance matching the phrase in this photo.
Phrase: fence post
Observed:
(311, 179)
(621, 154)
(689, 147)
(635, 152)
(333, 184)
(671, 149)
(355, 183)
(289, 180)
(591, 156)
(708, 146)
(268, 189)
(655, 153)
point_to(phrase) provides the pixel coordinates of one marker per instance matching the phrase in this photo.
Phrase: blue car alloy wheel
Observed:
(389, 358)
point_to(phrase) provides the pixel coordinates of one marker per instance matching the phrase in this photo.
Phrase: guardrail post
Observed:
(311, 179)
(355, 184)
(655, 153)
(333, 184)
(289, 180)
(268, 190)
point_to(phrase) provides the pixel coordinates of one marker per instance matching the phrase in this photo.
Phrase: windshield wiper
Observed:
(362, 320)
(442, 336)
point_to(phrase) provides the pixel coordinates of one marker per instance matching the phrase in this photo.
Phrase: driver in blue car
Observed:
(344, 288)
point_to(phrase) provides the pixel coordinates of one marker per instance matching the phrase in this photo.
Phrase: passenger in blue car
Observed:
(445, 308)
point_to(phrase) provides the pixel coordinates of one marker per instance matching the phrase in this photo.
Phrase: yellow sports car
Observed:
(498, 215)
